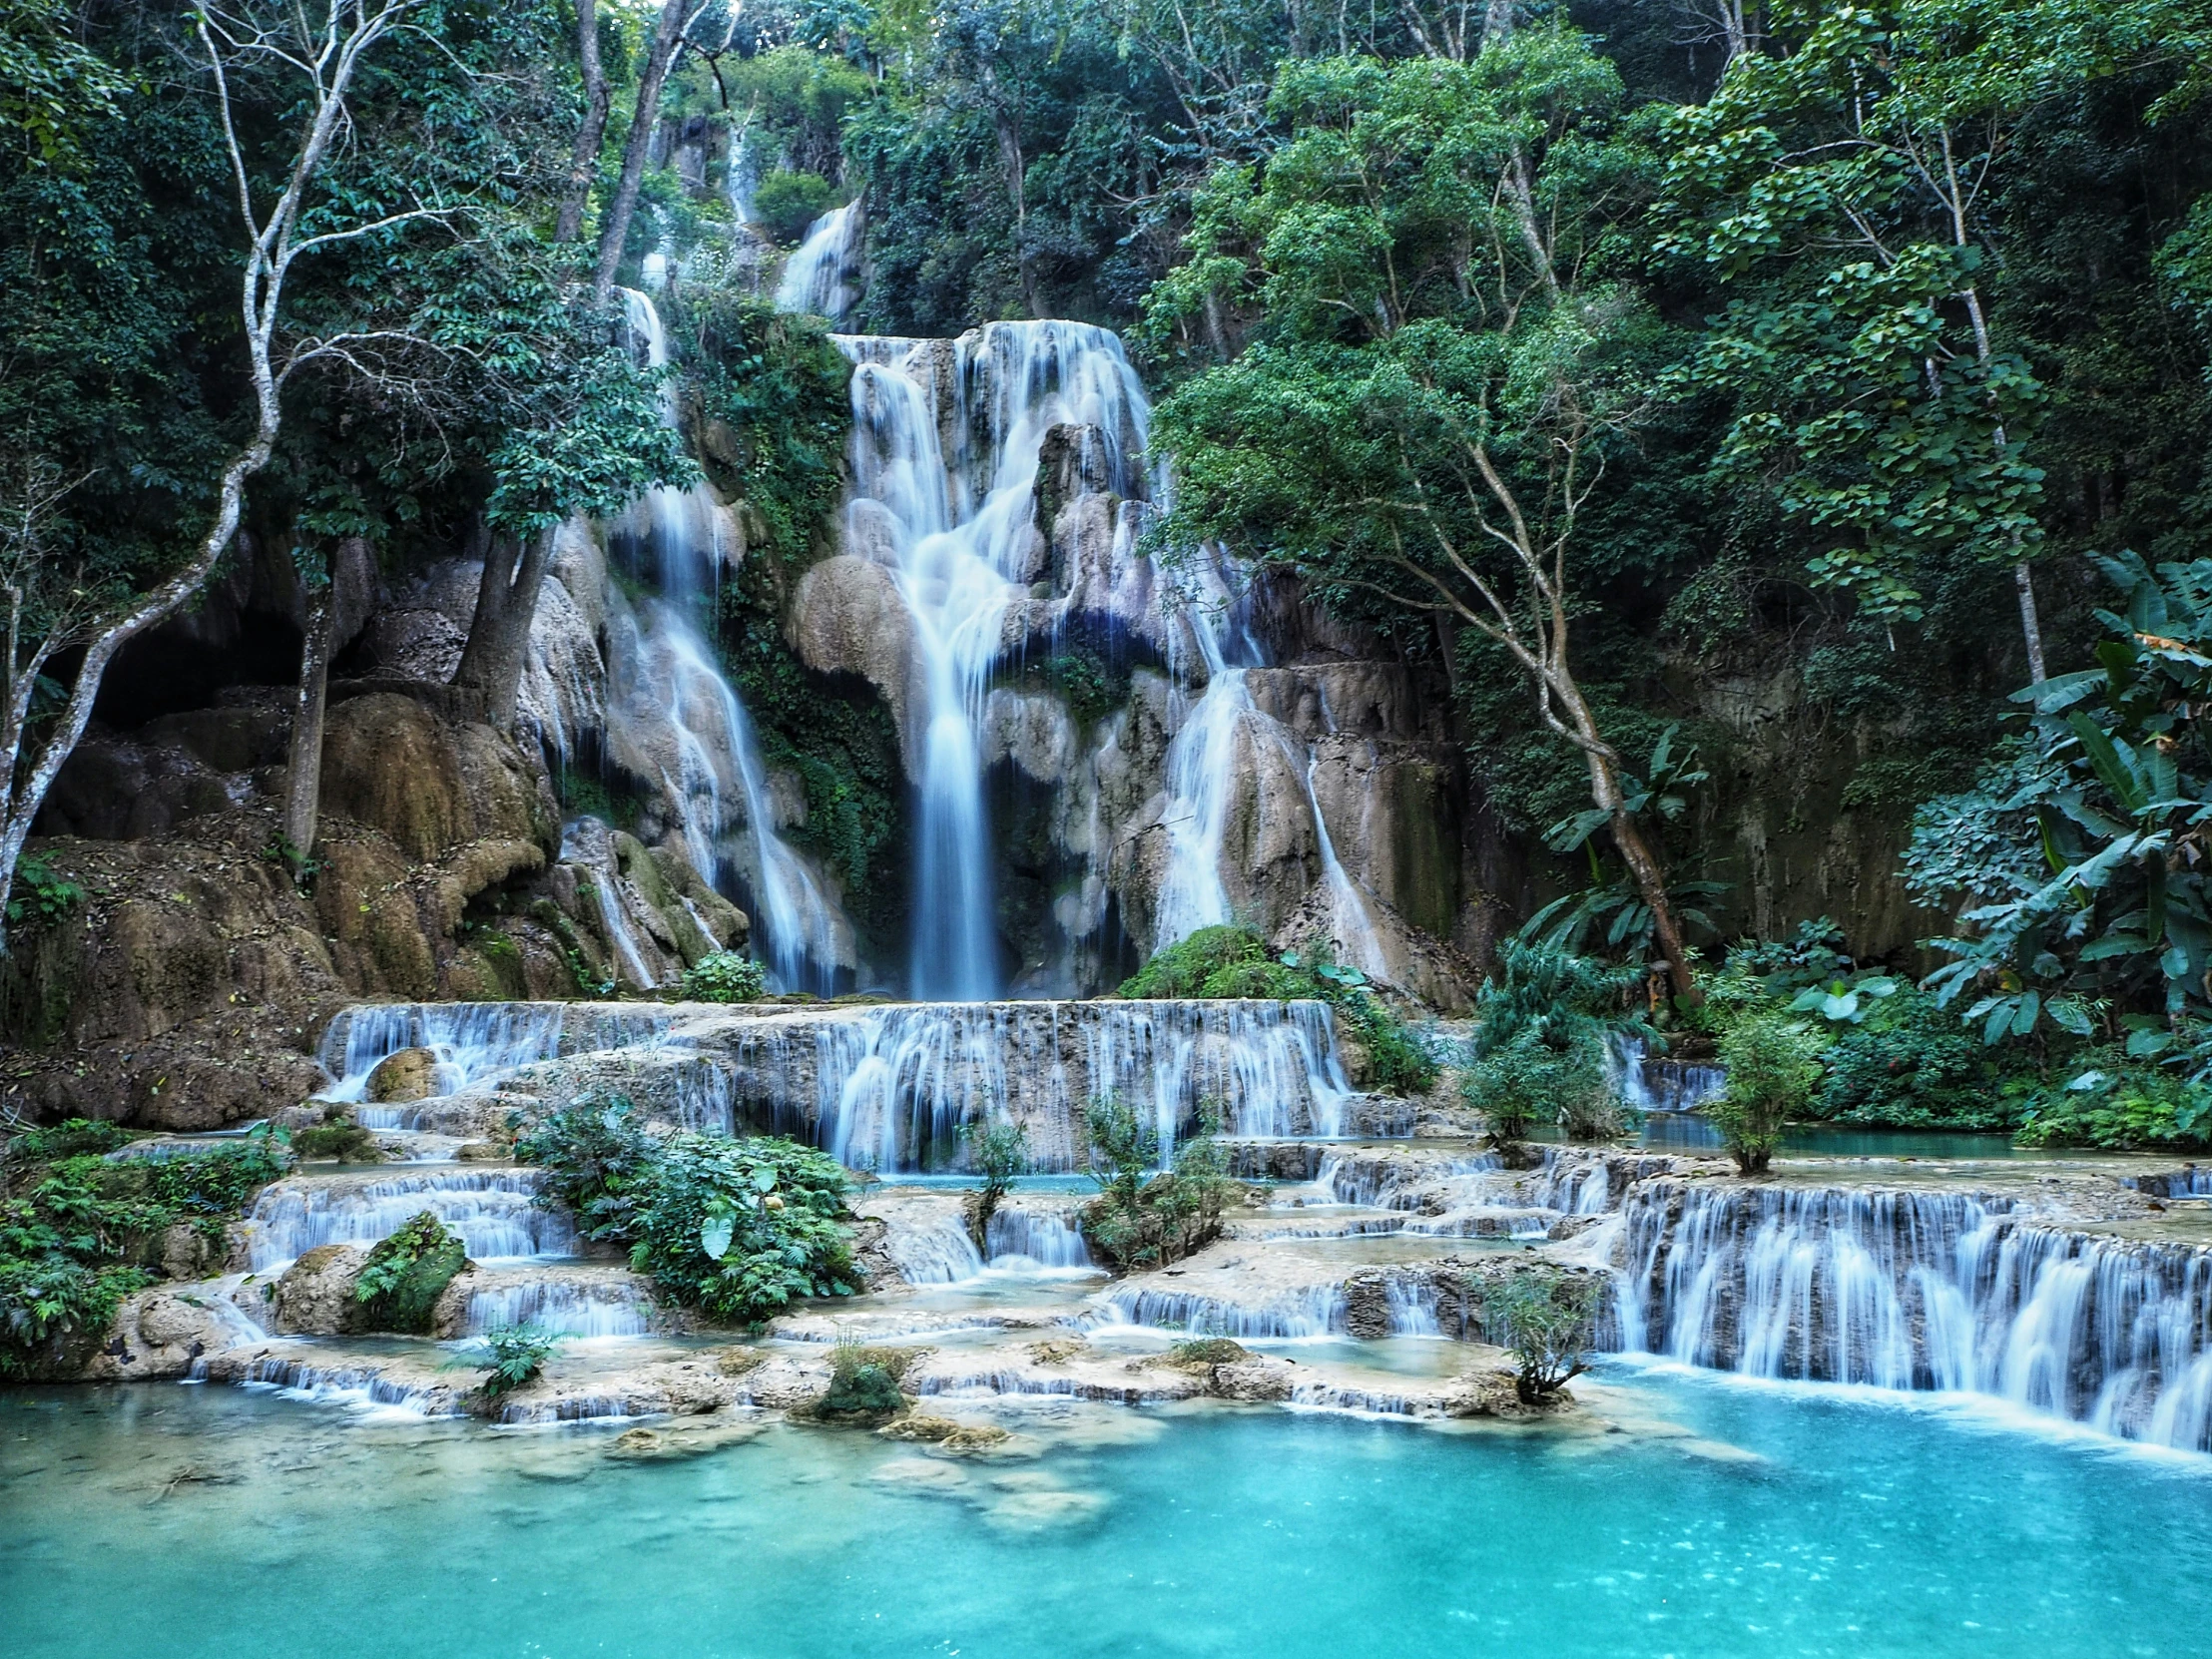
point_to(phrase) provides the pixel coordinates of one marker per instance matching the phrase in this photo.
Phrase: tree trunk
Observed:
(666, 34)
(1650, 879)
(2030, 629)
(584, 165)
(303, 778)
(499, 633)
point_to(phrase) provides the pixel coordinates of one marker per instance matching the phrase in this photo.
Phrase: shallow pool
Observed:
(1775, 1520)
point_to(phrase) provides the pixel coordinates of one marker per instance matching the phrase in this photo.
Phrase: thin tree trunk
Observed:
(666, 34)
(303, 778)
(499, 633)
(1644, 869)
(584, 165)
(2030, 628)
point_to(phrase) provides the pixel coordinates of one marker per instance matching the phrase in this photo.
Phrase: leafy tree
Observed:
(1544, 1026)
(1449, 363)
(2079, 858)
(1773, 1068)
(998, 1151)
(1546, 1318)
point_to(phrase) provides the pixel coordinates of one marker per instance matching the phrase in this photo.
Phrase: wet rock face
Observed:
(316, 1297)
(411, 1074)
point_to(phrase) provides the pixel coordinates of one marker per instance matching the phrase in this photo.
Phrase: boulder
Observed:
(1253, 1380)
(411, 1074)
(314, 1298)
(848, 617)
(388, 763)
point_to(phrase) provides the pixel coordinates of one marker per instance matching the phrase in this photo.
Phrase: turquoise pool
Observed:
(179, 1521)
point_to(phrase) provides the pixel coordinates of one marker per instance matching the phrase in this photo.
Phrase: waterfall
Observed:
(741, 178)
(956, 528)
(819, 277)
(495, 1211)
(573, 1308)
(1924, 1289)
(1650, 1085)
(708, 754)
(473, 1042)
(889, 1088)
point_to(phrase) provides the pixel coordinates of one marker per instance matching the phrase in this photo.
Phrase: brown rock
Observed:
(315, 1298)
(411, 1074)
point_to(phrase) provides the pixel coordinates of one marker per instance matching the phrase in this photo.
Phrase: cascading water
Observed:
(495, 1213)
(1924, 1289)
(820, 275)
(712, 766)
(955, 526)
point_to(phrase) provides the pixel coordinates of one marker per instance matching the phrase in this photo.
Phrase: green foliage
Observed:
(1530, 1080)
(998, 1151)
(1232, 962)
(1546, 1318)
(41, 894)
(78, 1233)
(1908, 1065)
(863, 1381)
(2118, 1106)
(737, 1229)
(786, 202)
(1137, 1222)
(1773, 1066)
(725, 977)
(1206, 1352)
(336, 1136)
(510, 1356)
(406, 1272)
(2081, 856)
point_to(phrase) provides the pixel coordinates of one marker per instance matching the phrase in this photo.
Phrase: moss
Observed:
(1207, 1352)
(406, 1272)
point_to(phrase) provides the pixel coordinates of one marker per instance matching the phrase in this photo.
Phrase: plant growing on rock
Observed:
(1546, 1318)
(725, 977)
(510, 1356)
(406, 1272)
(863, 1383)
(735, 1228)
(78, 1233)
(1773, 1065)
(1137, 1222)
(998, 1152)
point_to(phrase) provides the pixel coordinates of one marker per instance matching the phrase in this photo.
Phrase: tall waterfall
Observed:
(712, 768)
(945, 443)
(820, 275)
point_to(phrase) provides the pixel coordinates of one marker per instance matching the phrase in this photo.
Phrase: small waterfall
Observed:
(493, 1211)
(956, 528)
(933, 1248)
(892, 1086)
(1652, 1083)
(474, 1042)
(684, 713)
(1316, 1311)
(742, 177)
(579, 1308)
(1924, 1289)
(1035, 1241)
(822, 275)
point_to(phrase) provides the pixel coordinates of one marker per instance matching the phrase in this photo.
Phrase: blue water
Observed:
(185, 1521)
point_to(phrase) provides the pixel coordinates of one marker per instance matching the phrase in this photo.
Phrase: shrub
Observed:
(863, 1381)
(737, 1229)
(337, 1136)
(2119, 1108)
(1913, 1066)
(725, 977)
(511, 1357)
(786, 202)
(1135, 1222)
(76, 1229)
(1185, 967)
(1528, 1081)
(998, 1152)
(407, 1273)
(1773, 1066)
(1546, 1318)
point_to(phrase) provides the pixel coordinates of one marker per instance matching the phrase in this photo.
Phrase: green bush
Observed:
(511, 1357)
(77, 1232)
(406, 1272)
(737, 1229)
(1911, 1066)
(2120, 1107)
(863, 1381)
(337, 1136)
(1231, 961)
(725, 977)
(998, 1152)
(785, 203)
(1773, 1066)
(1136, 1222)
(1547, 1319)
(1530, 1081)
